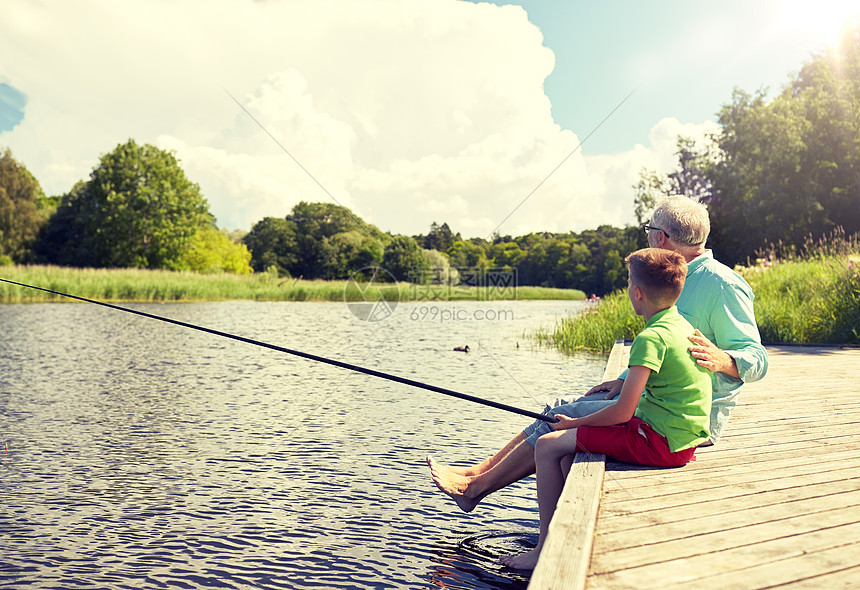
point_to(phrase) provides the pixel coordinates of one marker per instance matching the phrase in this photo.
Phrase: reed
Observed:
(807, 295)
(595, 328)
(137, 285)
(808, 301)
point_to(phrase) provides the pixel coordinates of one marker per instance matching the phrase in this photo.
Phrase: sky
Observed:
(509, 117)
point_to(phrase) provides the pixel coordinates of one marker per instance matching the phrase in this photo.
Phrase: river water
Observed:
(140, 454)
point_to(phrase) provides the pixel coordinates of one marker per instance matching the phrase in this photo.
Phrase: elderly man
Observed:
(715, 300)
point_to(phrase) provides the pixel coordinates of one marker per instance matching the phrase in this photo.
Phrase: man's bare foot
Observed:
(468, 472)
(461, 471)
(453, 484)
(524, 561)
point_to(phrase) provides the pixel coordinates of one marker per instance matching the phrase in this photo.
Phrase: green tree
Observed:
(781, 169)
(439, 269)
(348, 252)
(273, 243)
(440, 237)
(467, 254)
(591, 261)
(138, 209)
(405, 259)
(63, 240)
(755, 180)
(318, 251)
(212, 251)
(690, 179)
(469, 259)
(507, 255)
(23, 209)
(579, 273)
(545, 262)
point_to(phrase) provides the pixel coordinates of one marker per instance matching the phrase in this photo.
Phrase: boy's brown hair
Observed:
(659, 273)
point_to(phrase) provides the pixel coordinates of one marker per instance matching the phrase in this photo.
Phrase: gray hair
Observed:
(684, 220)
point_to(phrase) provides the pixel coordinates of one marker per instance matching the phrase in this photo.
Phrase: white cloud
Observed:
(407, 112)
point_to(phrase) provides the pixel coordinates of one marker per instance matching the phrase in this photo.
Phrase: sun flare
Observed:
(824, 21)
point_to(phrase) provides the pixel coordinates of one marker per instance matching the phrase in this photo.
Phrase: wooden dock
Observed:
(774, 504)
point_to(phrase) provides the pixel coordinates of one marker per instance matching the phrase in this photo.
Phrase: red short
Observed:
(632, 442)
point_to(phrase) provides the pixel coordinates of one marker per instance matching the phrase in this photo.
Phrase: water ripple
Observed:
(143, 456)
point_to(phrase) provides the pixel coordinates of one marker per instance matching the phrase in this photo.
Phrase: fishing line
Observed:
(305, 355)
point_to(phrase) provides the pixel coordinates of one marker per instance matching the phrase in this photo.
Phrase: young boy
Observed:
(660, 428)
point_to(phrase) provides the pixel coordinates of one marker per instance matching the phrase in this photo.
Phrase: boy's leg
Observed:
(566, 464)
(551, 456)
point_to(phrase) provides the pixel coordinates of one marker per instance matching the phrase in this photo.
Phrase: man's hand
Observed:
(564, 422)
(610, 388)
(710, 356)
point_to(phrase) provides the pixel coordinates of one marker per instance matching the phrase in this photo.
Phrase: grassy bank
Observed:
(810, 298)
(596, 328)
(152, 285)
(808, 301)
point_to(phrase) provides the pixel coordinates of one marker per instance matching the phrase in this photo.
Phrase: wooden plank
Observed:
(786, 463)
(725, 507)
(708, 566)
(843, 579)
(709, 523)
(732, 534)
(749, 480)
(786, 570)
(719, 494)
(776, 503)
(565, 558)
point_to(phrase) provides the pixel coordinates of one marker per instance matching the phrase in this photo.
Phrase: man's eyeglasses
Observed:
(648, 228)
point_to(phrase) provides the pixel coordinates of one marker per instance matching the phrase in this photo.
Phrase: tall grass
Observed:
(153, 285)
(811, 295)
(595, 328)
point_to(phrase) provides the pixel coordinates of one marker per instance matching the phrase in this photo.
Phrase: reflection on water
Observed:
(135, 453)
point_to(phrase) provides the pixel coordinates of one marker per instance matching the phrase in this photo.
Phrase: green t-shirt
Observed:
(676, 402)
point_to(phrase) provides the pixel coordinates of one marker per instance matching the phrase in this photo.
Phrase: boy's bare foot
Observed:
(453, 484)
(524, 561)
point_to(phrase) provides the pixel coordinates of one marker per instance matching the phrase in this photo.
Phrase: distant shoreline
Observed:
(157, 286)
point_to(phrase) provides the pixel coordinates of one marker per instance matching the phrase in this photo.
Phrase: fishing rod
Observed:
(305, 355)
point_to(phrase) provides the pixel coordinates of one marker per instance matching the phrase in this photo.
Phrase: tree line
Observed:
(139, 210)
(327, 241)
(775, 173)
